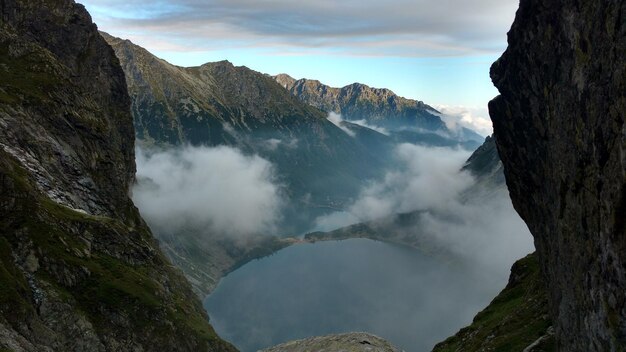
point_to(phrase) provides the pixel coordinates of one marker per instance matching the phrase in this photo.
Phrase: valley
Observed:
(190, 204)
(234, 166)
(319, 166)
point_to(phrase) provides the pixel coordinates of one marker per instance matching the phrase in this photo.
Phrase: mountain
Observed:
(79, 268)
(322, 166)
(559, 127)
(220, 104)
(405, 120)
(403, 229)
(485, 165)
(357, 101)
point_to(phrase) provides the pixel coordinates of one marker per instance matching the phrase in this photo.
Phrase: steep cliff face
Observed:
(560, 131)
(79, 269)
(47, 47)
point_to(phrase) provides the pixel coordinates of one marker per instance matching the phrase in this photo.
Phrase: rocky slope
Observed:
(351, 342)
(486, 167)
(516, 320)
(79, 269)
(321, 165)
(360, 102)
(560, 131)
(220, 104)
(405, 120)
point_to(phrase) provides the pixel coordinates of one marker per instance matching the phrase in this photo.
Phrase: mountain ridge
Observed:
(405, 120)
(218, 104)
(378, 104)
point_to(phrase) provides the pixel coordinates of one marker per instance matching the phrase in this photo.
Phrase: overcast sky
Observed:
(438, 51)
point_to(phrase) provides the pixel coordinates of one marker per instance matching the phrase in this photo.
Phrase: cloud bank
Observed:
(476, 119)
(395, 27)
(199, 188)
(479, 225)
(337, 120)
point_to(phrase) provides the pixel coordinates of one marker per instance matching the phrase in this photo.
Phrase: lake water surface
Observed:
(400, 294)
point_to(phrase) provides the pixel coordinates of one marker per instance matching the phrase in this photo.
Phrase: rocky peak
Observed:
(285, 80)
(560, 130)
(360, 102)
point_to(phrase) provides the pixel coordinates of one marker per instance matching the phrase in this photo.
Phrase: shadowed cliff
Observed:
(560, 131)
(79, 268)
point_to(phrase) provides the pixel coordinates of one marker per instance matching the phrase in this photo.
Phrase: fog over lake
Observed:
(400, 294)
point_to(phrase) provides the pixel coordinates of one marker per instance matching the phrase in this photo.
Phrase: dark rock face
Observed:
(560, 131)
(56, 50)
(79, 269)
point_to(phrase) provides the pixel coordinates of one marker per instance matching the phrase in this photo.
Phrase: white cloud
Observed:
(272, 144)
(371, 127)
(337, 120)
(428, 179)
(483, 229)
(395, 27)
(216, 189)
(475, 118)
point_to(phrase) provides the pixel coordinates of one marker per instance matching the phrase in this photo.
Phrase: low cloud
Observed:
(476, 119)
(338, 121)
(364, 123)
(427, 178)
(480, 225)
(199, 188)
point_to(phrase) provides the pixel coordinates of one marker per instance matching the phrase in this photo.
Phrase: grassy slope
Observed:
(514, 320)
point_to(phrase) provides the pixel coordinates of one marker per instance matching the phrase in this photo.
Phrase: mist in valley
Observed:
(467, 232)
(218, 191)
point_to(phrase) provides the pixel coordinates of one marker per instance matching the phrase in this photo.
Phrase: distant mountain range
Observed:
(357, 101)
(322, 163)
(405, 120)
(220, 104)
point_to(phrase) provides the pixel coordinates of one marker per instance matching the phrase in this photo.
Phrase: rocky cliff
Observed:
(79, 269)
(560, 131)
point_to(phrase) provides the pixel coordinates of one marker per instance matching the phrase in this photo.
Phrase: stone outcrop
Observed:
(350, 342)
(79, 268)
(560, 130)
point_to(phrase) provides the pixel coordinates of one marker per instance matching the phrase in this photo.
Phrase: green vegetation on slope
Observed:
(515, 320)
(98, 266)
